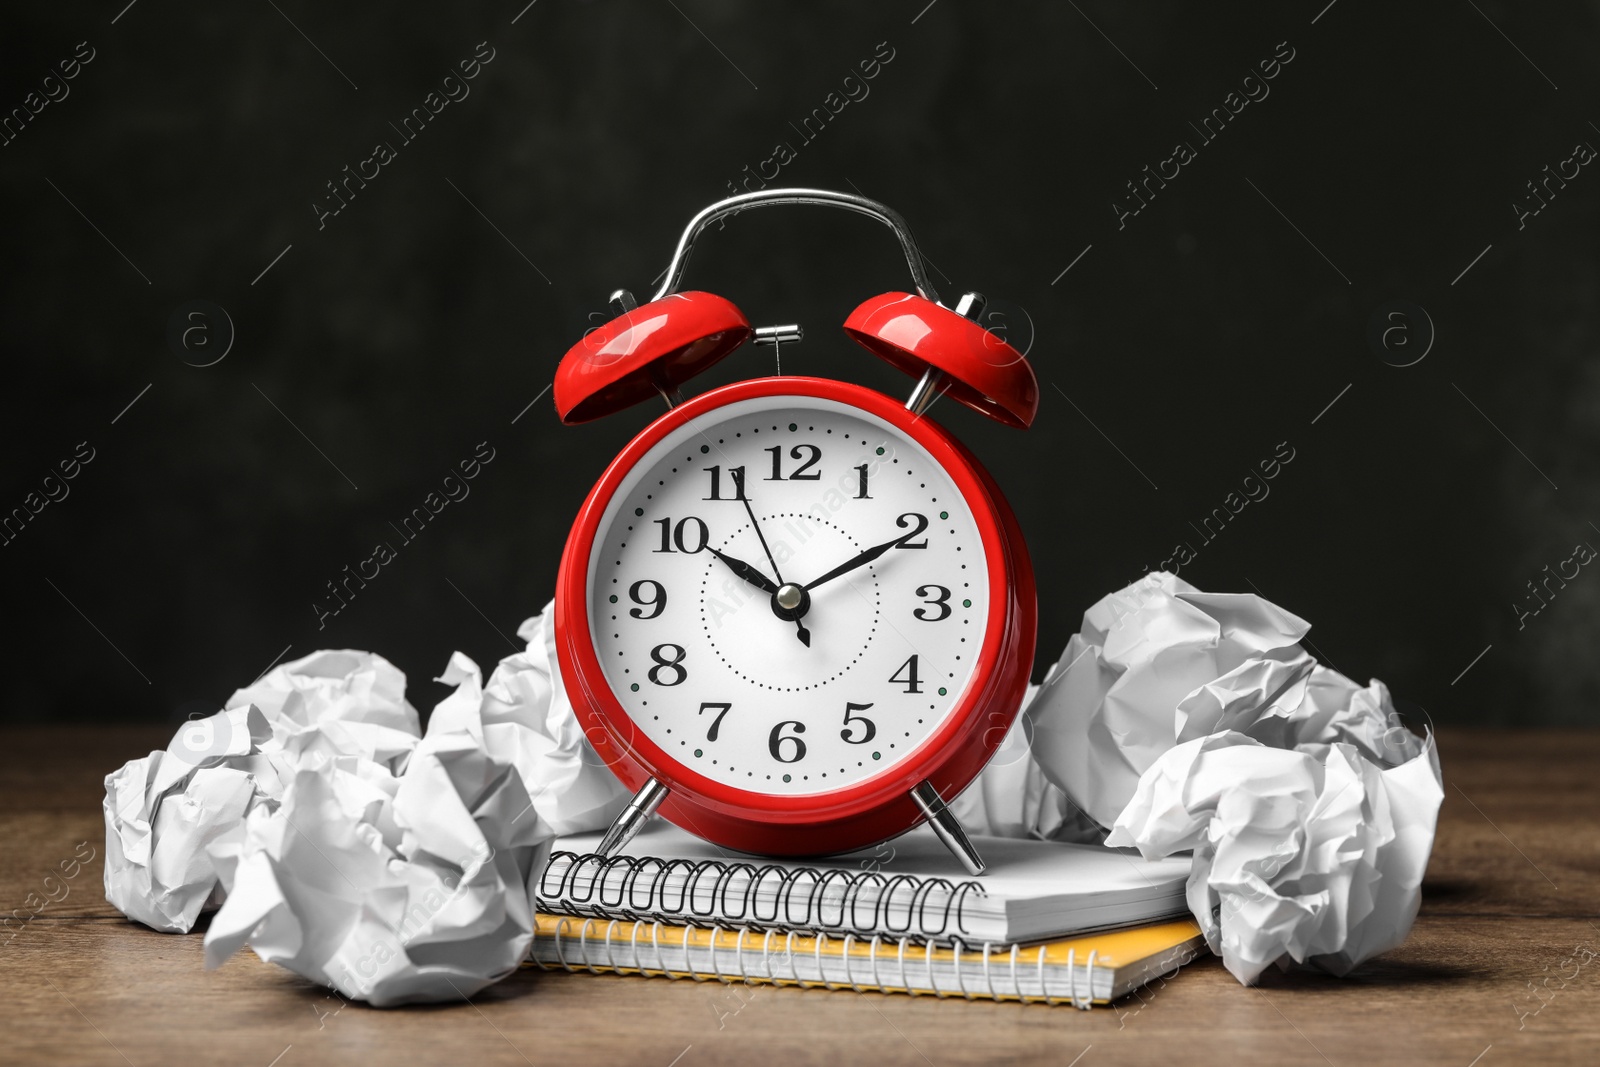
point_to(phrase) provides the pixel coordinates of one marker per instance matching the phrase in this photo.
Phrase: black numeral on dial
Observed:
(869, 729)
(907, 676)
(735, 474)
(656, 600)
(777, 739)
(797, 452)
(935, 595)
(670, 535)
(921, 522)
(664, 665)
(861, 493)
(711, 734)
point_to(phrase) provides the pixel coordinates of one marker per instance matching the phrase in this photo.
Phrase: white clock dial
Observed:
(692, 590)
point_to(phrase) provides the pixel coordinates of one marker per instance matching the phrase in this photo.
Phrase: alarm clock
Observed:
(795, 615)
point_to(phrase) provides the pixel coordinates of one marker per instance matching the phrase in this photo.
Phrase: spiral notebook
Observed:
(1078, 971)
(908, 887)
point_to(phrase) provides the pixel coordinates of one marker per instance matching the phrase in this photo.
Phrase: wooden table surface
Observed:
(1495, 972)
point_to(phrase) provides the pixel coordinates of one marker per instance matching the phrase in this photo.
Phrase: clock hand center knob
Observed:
(790, 603)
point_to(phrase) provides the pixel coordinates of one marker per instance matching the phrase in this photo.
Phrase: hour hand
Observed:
(745, 571)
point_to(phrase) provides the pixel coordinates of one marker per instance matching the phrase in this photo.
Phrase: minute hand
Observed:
(863, 558)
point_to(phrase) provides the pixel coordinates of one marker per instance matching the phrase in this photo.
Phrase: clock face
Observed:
(744, 622)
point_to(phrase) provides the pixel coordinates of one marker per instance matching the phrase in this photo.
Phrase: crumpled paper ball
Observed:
(526, 717)
(161, 811)
(1314, 858)
(164, 809)
(390, 890)
(1156, 664)
(1012, 797)
(1338, 711)
(337, 703)
(1189, 720)
(419, 886)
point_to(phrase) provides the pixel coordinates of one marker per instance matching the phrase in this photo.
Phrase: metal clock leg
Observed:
(948, 828)
(641, 807)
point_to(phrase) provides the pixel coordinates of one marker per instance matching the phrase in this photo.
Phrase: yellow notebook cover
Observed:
(1093, 969)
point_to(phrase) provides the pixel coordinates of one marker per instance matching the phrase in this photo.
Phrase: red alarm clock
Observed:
(795, 615)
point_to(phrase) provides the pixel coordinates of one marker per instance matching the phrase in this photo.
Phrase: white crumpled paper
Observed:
(164, 809)
(1155, 664)
(392, 869)
(1012, 797)
(343, 703)
(1318, 859)
(1189, 720)
(525, 708)
(390, 890)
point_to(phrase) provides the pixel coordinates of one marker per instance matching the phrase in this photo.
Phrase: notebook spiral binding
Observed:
(1013, 975)
(804, 899)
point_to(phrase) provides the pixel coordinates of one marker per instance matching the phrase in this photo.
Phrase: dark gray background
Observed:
(1215, 325)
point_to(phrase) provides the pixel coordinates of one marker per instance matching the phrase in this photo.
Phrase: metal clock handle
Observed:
(971, 305)
(821, 198)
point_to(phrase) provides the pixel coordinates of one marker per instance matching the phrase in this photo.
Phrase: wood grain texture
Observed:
(1512, 891)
